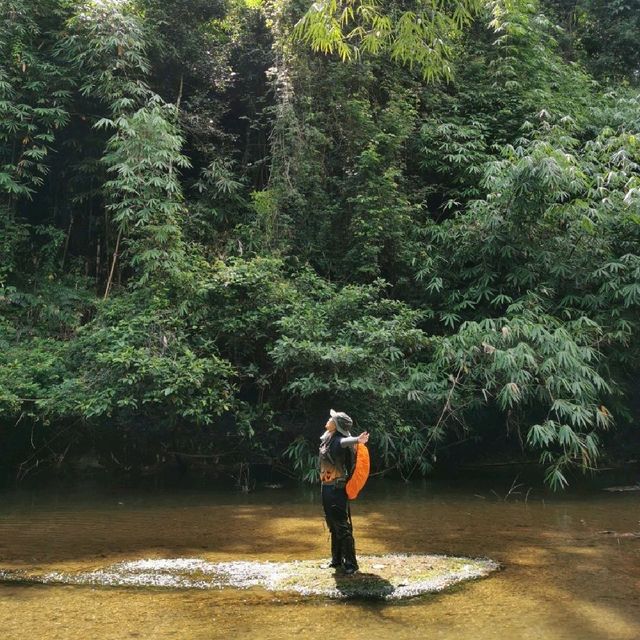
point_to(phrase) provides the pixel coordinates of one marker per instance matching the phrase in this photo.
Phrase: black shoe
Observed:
(349, 571)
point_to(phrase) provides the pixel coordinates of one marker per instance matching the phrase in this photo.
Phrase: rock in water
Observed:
(631, 487)
(390, 577)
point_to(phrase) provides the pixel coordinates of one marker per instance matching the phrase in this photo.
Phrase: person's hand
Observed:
(363, 438)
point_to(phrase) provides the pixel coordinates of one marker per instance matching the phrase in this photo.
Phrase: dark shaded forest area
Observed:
(221, 218)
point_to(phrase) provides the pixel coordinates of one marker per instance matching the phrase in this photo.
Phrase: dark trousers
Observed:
(336, 512)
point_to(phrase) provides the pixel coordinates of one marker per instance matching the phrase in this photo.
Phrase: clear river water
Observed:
(571, 562)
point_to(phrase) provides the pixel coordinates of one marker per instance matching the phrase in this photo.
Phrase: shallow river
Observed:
(571, 563)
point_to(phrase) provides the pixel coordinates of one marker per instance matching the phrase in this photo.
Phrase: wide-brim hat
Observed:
(342, 421)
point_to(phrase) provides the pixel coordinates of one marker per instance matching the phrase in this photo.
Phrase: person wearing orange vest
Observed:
(336, 460)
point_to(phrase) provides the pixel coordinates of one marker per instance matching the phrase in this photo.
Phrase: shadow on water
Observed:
(363, 586)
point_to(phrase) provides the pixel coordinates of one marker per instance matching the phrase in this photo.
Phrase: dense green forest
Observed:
(221, 218)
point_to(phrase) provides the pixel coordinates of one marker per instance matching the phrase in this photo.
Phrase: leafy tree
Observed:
(143, 156)
(420, 34)
(217, 219)
(604, 34)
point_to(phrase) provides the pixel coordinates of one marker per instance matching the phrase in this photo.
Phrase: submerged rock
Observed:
(393, 576)
(631, 487)
(626, 534)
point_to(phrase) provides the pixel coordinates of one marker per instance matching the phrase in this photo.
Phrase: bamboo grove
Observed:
(220, 218)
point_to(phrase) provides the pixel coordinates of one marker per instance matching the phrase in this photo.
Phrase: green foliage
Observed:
(139, 357)
(555, 247)
(34, 97)
(422, 35)
(106, 45)
(604, 34)
(209, 234)
(144, 194)
(541, 373)
(346, 347)
(28, 372)
(346, 344)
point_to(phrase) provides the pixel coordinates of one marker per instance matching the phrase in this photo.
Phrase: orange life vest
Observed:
(360, 473)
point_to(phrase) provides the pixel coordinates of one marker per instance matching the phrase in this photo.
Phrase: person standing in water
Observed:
(336, 460)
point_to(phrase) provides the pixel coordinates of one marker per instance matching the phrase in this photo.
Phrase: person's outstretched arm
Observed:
(363, 438)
